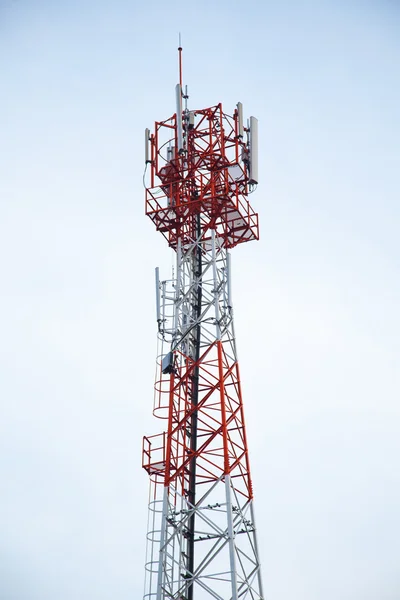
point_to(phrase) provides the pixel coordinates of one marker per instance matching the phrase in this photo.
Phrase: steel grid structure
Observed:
(201, 540)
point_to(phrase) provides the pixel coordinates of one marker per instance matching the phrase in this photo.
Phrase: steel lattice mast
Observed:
(201, 540)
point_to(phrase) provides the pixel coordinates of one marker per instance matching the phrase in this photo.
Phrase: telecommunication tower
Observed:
(201, 539)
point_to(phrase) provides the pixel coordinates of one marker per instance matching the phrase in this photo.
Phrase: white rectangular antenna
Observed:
(253, 150)
(147, 146)
(158, 294)
(178, 90)
(191, 119)
(240, 119)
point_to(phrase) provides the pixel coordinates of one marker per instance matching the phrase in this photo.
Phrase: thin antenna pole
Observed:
(180, 61)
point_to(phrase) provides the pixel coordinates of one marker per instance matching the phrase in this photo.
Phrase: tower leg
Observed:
(231, 536)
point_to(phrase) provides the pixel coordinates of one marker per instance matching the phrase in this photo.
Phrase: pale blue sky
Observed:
(316, 300)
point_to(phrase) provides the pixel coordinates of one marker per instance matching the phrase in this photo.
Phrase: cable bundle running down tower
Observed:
(201, 540)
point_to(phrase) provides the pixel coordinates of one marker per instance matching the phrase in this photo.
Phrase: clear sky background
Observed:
(316, 300)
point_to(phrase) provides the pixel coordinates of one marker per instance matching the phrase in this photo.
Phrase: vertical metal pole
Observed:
(256, 549)
(196, 310)
(178, 94)
(158, 310)
(214, 265)
(175, 325)
(229, 513)
(231, 537)
(228, 278)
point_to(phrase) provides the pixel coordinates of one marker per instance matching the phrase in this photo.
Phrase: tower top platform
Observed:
(202, 162)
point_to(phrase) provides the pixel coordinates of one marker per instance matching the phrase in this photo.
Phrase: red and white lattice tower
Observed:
(201, 540)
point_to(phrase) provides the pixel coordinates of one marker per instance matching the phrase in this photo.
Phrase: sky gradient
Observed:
(316, 299)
